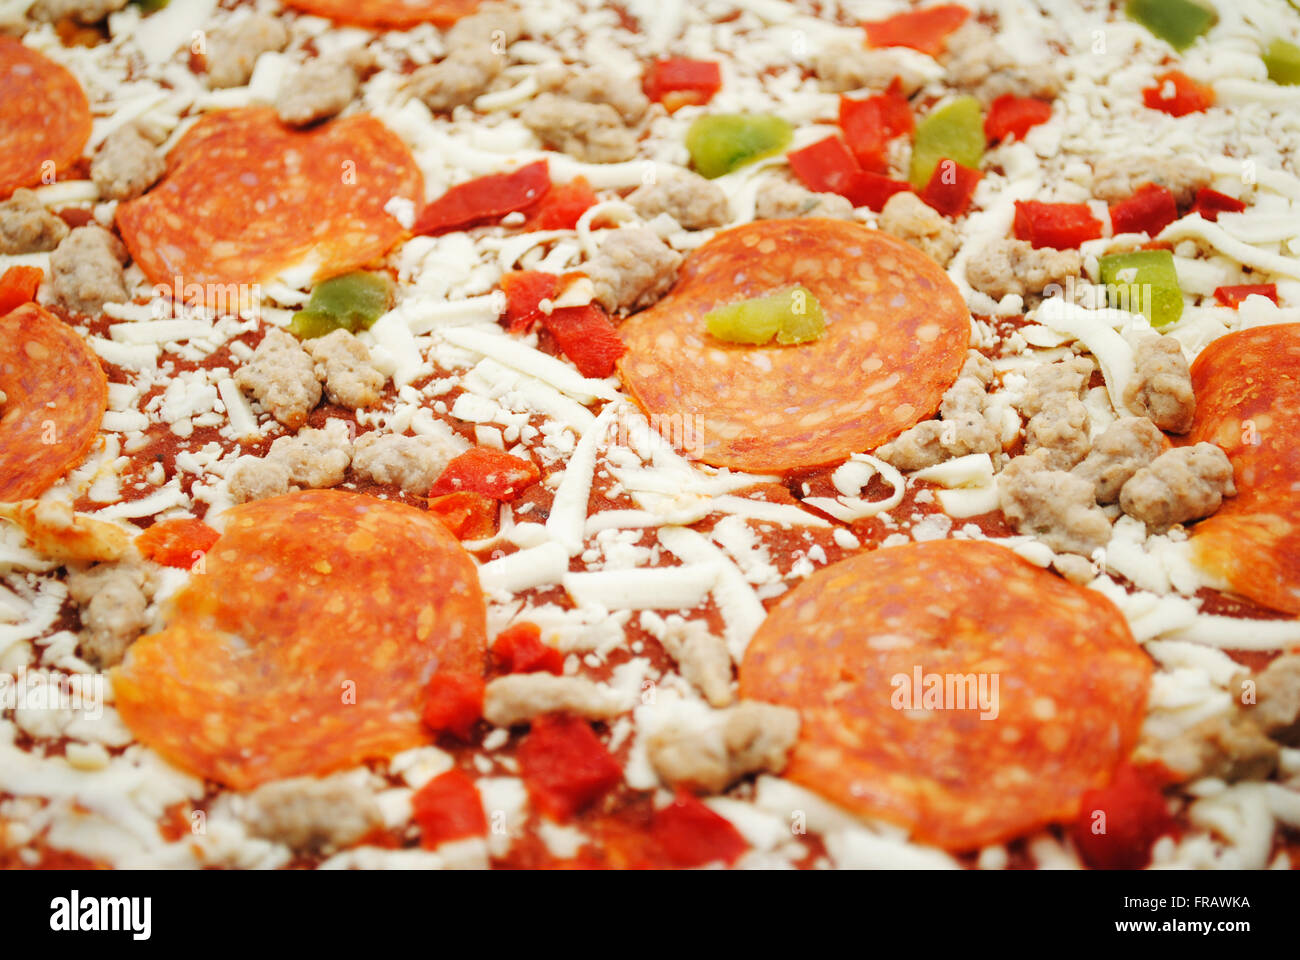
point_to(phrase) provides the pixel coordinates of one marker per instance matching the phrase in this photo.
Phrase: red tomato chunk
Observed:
(587, 337)
(950, 188)
(691, 835)
(1118, 824)
(565, 766)
(469, 516)
(488, 472)
(1177, 94)
(453, 703)
(448, 808)
(519, 649)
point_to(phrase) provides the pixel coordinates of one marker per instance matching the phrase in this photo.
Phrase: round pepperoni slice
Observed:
(246, 198)
(1248, 402)
(952, 688)
(896, 336)
(393, 14)
(55, 394)
(305, 642)
(44, 117)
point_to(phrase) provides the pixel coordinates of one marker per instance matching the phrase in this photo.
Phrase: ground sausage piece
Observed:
(457, 80)
(313, 459)
(1117, 178)
(1123, 448)
(1179, 486)
(783, 200)
(282, 377)
(412, 463)
(1277, 708)
(343, 365)
(1162, 388)
(1013, 266)
(492, 23)
(317, 90)
(83, 11)
(1056, 507)
(1048, 383)
(591, 132)
(26, 226)
(907, 217)
(701, 657)
(633, 268)
(521, 697)
(595, 86)
(691, 200)
(1058, 420)
(311, 814)
(257, 478)
(114, 598)
(233, 49)
(127, 164)
(1228, 746)
(963, 430)
(86, 270)
(842, 67)
(975, 61)
(747, 738)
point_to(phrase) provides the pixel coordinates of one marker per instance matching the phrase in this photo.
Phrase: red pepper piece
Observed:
(1010, 115)
(1118, 824)
(491, 473)
(926, 29)
(176, 543)
(869, 124)
(18, 285)
(519, 649)
(827, 167)
(448, 808)
(486, 199)
(1210, 203)
(690, 834)
(950, 188)
(565, 767)
(1177, 94)
(524, 290)
(1149, 210)
(587, 337)
(1060, 225)
(562, 206)
(469, 516)
(453, 703)
(677, 82)
(1232, 296)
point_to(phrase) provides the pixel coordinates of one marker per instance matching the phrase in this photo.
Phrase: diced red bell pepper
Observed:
(519, 649)
(1118, 824)
(1177, 94)
(1149, 210)
(448, 808)
(562, 207)
(1010, 115)
(690, 834)
(453, 703)
(524, 290)
(1060, 225)
(491, 473)
(926, 29)
(1233, 296)
(18, 285)
(176, 543)
(869, 124)
(677, 82)
(587, 337)
(486, 199)
(469, 516)
(950, 188)
(565, 767)
(1210, 203)
(827, 167)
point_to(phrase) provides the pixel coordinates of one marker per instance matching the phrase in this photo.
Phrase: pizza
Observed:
(760, 434)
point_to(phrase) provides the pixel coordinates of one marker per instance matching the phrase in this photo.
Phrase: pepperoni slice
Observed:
(307, 644)
(1248, 402)
(55, 396)
(246, 198)
(846, 648)
(393, 14)
(896, 336)
(44, 117)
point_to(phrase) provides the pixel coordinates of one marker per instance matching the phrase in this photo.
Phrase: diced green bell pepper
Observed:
(955, 132)
(1144, 282)
(721, 143)
(1177, 22)
(792, 316)
(1283, 61)
(353, 302)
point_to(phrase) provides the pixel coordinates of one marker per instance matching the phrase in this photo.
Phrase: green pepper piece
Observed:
(1145, 280)
(151, 6)
(955, 131)
(792, 316)
(1177, 22)
(721, 143)
(1283, 61)
(353, 301)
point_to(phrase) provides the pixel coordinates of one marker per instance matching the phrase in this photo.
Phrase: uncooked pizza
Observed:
(745, 433)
